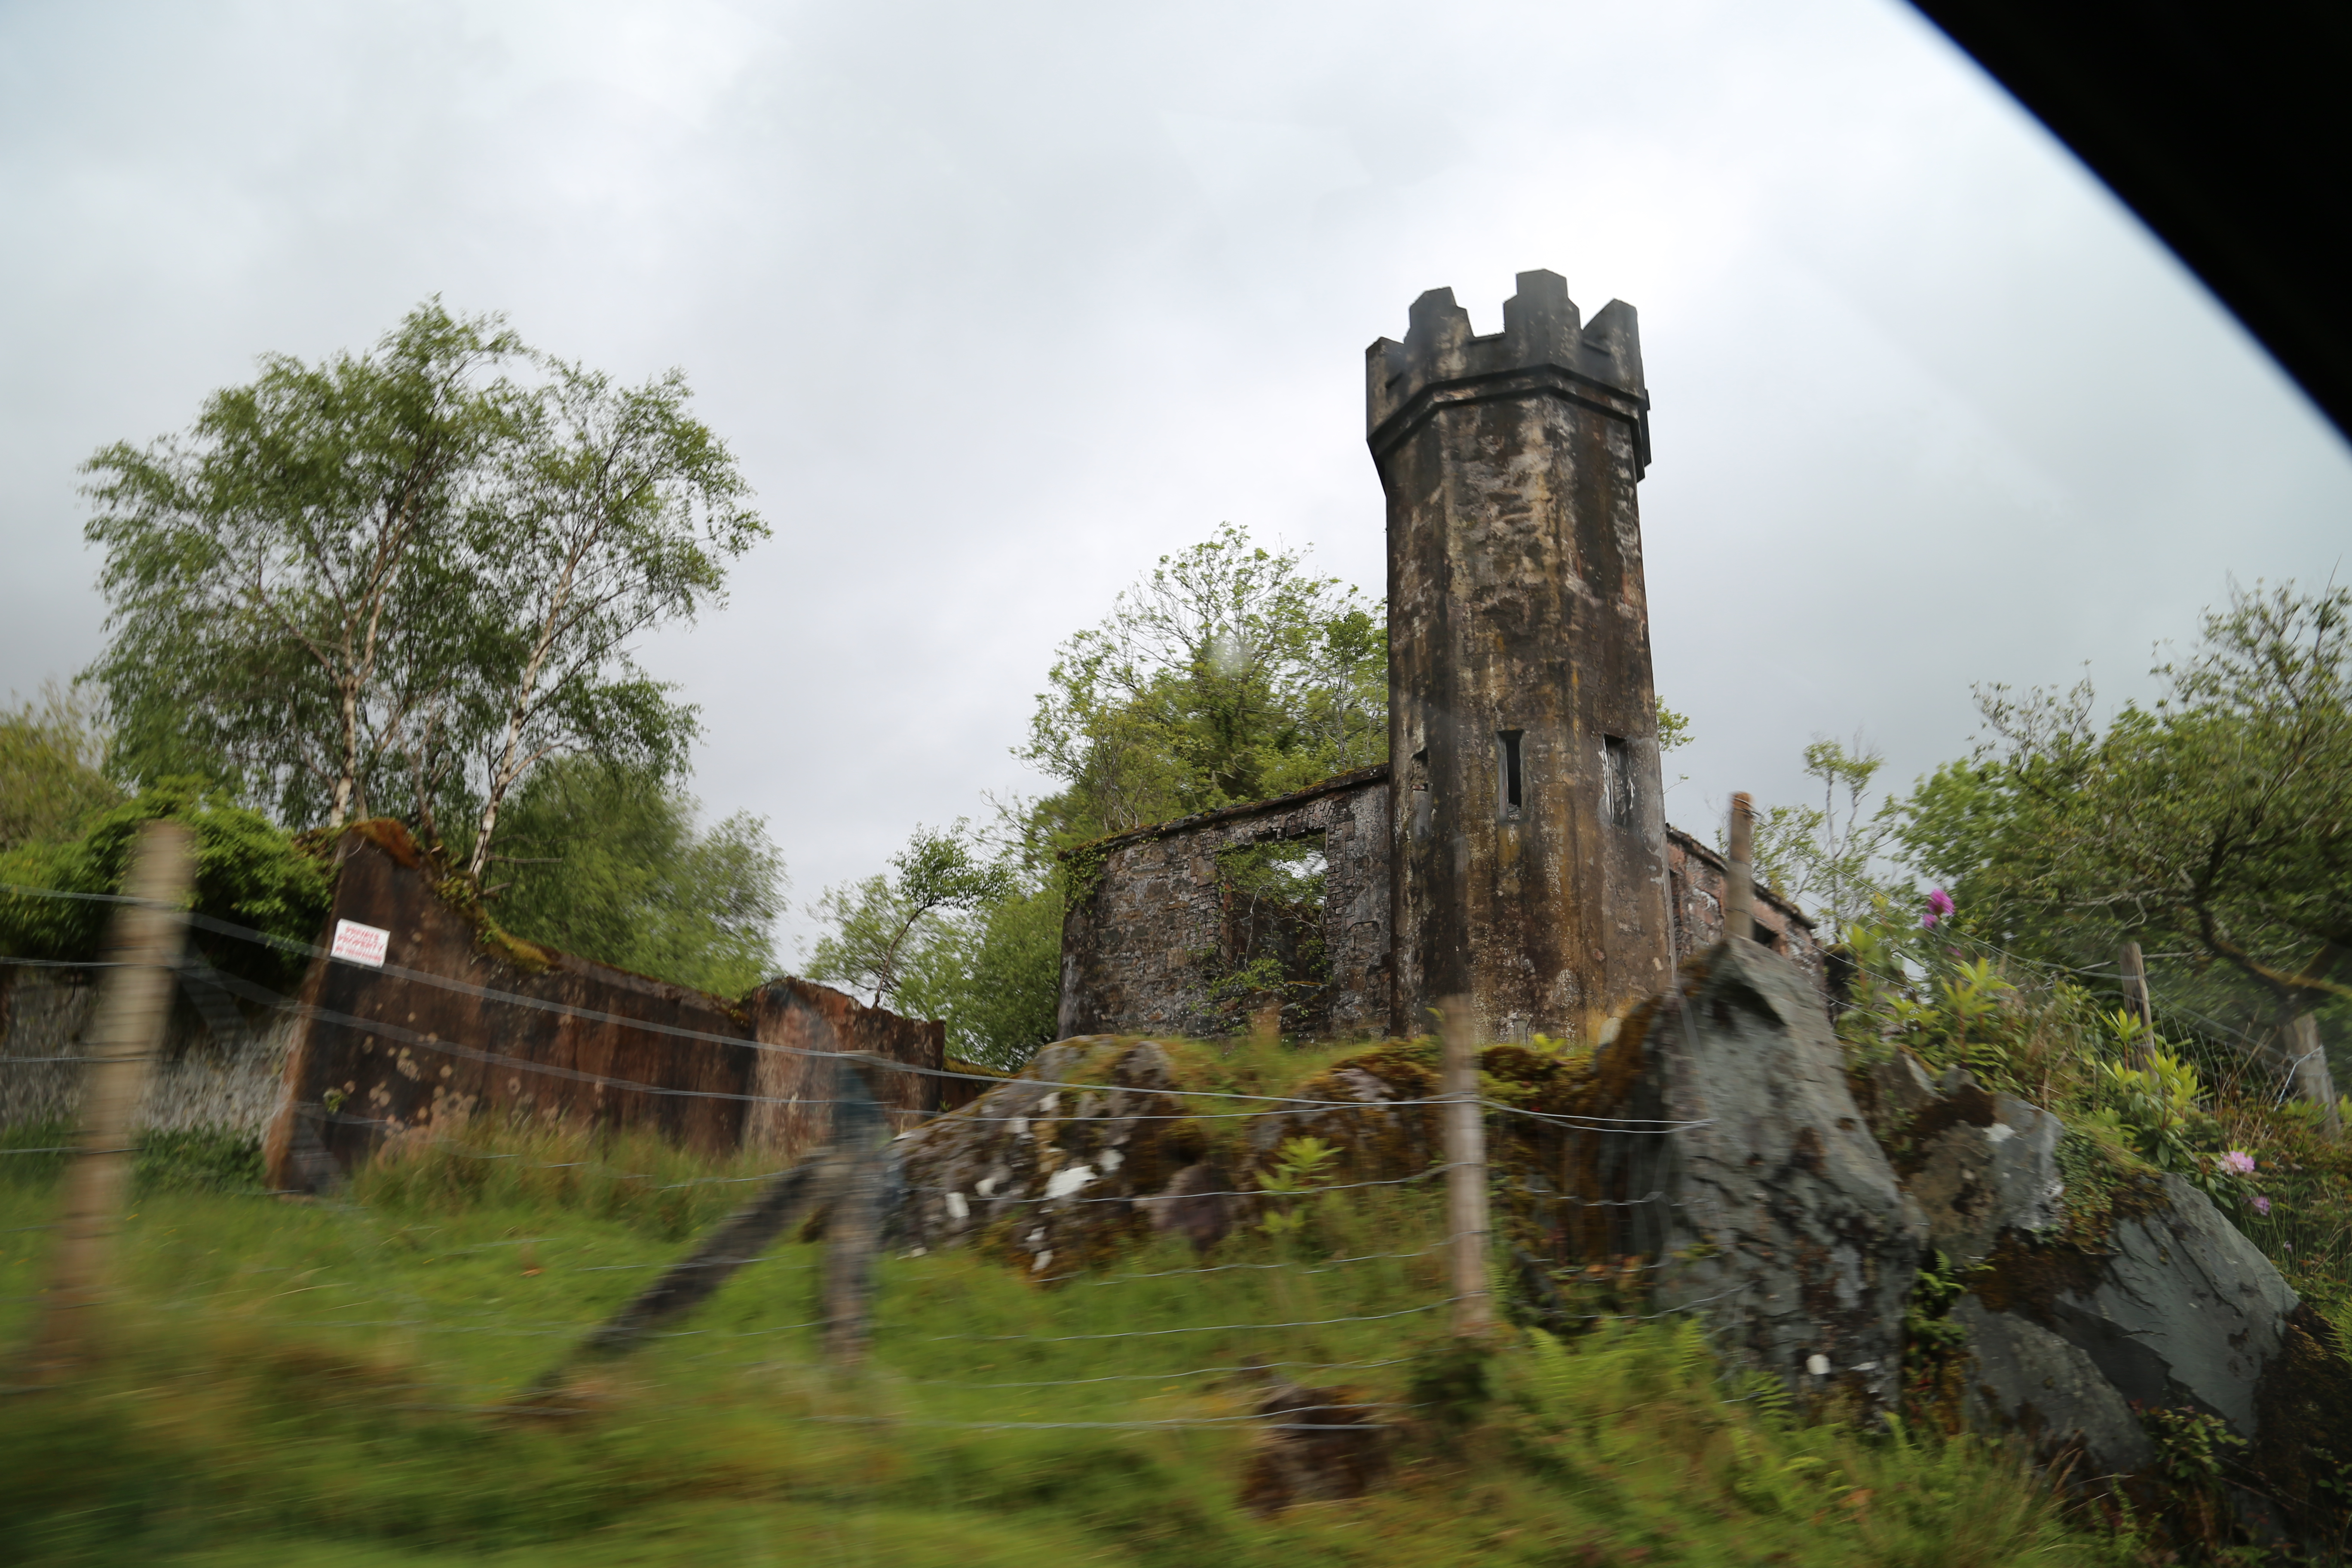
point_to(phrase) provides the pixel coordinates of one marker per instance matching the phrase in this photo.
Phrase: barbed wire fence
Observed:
(1342, 1315)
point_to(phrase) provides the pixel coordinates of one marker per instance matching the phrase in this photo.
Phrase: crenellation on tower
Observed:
(1544, 347)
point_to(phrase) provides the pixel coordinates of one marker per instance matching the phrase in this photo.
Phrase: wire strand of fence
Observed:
(1690, 1306)
(1226, 1371)
(1656, 1195)
(426, 1041)
(72, 1149)
(1634, 1124)
(1326, 1265)
(1197, 1327)
(1234, 1192)
(261, 994)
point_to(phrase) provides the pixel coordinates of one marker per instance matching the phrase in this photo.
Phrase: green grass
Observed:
(312, 1382)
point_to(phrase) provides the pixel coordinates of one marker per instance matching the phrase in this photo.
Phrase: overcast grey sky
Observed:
(999, 303)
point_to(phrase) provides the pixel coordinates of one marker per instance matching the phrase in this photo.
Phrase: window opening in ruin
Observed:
(1272, 954)
(1508, 746)
(1617, 803)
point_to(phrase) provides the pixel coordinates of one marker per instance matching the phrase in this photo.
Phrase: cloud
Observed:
(998, 304)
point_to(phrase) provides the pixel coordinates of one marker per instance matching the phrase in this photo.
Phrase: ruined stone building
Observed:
(1514, 850)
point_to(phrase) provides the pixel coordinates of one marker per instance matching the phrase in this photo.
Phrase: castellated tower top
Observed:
(1543, 349)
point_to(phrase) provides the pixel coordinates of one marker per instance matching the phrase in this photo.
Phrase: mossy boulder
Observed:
(2114, 1314)
(1727, 1146)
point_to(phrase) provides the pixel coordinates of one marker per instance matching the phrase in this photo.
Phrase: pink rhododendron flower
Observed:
(1940, 904)
(2262, 1205)
(2237, 1162)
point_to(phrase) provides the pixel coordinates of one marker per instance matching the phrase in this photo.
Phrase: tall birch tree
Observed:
(285, 580)
(399, 582)
(616, 512)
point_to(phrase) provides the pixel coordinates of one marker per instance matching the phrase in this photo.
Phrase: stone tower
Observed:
(1527, 848)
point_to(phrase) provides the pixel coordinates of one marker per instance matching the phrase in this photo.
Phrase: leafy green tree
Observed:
(2213, 825)
(993, 974)
(1822, 856)
(400, 581)
(881, 925)
(1229, 674)
(52, 758)
(608, 864)
(285, 582)
(614, 513)
(2218, 818)
(248, 873)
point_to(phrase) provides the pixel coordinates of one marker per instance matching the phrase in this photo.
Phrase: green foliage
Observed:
(993, 974)
(1674, 728)
(1230, 674)
(256, 1407)
(1822, 857)
(608, 864)
(632, 1179)
(1301, 1166)
(1636, 1414)
(2211, 822)
(2194, 1454)
(248, 873)
(1452, 1378)
(881, 928)
(52, 759)
(1932, 1343)
(192, 1160)
(395, 584)
(2156, 1107)
(2135, 1102)
(1271, 955)
(286, 582)
(1949, 1005)
(611, 512)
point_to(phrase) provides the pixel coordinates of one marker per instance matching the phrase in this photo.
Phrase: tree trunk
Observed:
(2137, 1000)
(347, 782)
(2308, 1068)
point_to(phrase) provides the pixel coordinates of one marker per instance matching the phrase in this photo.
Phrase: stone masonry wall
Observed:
(1141, 950)
(453, 1029)
(1697, 877)
(203, 1081)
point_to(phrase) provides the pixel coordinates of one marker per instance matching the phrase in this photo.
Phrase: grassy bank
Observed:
(315, 1383)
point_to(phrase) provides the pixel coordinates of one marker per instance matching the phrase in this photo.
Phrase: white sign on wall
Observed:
(356, 944)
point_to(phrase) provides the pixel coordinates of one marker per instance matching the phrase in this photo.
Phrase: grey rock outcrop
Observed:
(2179, 1311)
(1093, 1150)
(2171, 1308)
(1087, 1152)
(2021, 1377)
(1986, 1163)
(1777, 1212)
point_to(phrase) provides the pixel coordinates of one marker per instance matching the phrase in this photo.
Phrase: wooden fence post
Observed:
(2137, 1000)
(853, 1221)
(134, 1003)
(1465, 1170)
(1740, 883)
(2307, 1064)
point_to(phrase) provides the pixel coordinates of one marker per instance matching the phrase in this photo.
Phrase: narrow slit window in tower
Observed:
(1617, 803)
(1507, 749)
